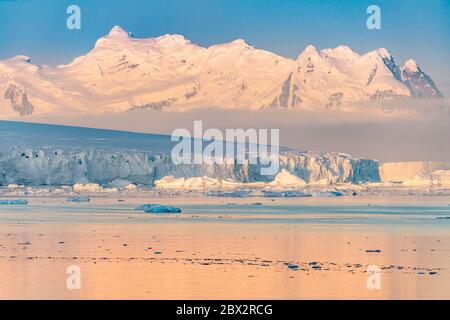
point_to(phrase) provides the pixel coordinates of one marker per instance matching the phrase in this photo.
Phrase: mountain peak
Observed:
(118, 32)
(170, 72)
(341, 52)
(384, 53)
(172, 39)
(411, 65)
(239, 42)
(21, 58)
(309, 51)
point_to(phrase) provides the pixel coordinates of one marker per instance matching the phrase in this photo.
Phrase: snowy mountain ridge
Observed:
(171, 73)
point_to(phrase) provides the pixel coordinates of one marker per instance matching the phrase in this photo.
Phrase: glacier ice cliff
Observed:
(52, 166)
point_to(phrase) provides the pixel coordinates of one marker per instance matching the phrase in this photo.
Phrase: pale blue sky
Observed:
(410, 28)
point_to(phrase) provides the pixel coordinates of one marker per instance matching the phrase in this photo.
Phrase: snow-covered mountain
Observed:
(169, 72)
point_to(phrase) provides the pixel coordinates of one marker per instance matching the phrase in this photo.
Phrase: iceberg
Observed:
(89, 187)
(194, 183)
(78, 199)
(285, 179)
(163, 209)
(145, 207)
(158, 208)
(14, 202)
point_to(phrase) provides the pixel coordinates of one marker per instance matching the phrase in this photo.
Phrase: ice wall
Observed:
(48, 166)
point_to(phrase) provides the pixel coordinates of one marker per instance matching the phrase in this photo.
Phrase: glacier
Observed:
(93, 161)
(91, 170)
(106, 160)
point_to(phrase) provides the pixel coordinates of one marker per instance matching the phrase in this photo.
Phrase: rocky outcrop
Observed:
(19, 100)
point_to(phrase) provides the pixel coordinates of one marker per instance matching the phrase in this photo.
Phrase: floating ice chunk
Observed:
(13, 202)
(164, 209)
(256, 193)
(131, 186)
(92, 187)
(79, 199)
(285, 179)
(119, 183)
(145, 207)
(170, 182)
(87, 187)
(157, 208)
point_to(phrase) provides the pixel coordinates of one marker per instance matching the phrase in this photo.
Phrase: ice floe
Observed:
(78, 199)
(158, 208)
(14, 202)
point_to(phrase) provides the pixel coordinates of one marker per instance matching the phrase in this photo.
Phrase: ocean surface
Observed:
(240, 248)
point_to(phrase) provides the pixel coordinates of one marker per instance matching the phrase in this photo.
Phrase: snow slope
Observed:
(35, 154)
(170, 72)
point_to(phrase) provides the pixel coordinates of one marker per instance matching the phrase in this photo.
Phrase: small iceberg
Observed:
(193, 183)
(158, 208)
(285, 179)
(79, 199)
(14, 202)
(87, 187)
(145, 207)
(163, 209)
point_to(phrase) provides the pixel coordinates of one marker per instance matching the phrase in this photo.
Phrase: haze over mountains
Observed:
(171, 73)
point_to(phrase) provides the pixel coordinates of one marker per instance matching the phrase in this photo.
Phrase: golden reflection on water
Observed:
(118, 261)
